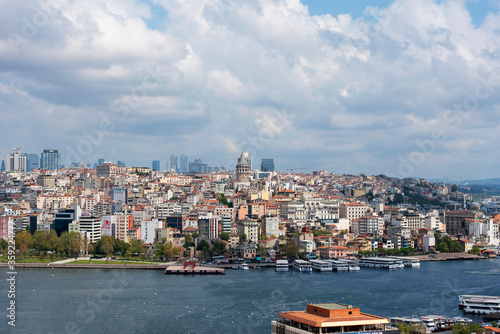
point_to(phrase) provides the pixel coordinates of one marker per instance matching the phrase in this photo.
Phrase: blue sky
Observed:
(478, 9)
(412, 94)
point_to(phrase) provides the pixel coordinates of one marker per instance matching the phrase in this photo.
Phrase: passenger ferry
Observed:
(352, 265)
(479, 304)
(282, 265)
(407, 261)
(380, 262)
(302, 265)
(338, 265)
(321, 265)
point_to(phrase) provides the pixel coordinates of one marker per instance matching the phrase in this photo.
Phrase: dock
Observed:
(192, 268)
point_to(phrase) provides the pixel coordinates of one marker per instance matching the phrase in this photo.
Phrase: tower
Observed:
(16, 161)
(243, 168)
(174, 163)
(50, 159)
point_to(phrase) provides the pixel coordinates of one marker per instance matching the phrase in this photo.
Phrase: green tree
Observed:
(243, 237)
(195, 235)
(107, 245)
(443, 247)
(290, 250)
(413, 329)
(223, 200)
(174, 198)
(40, 241)
(261, 250)
(136, 247)
(224, 236)
(264, 237)
(3, 244)
(467, 329)
(317, 233)
(203, 244)
(219, 247)
(454, 188)
(475, 250)
(188, 238)
(398, 198)
(70, 243)
(24, 242)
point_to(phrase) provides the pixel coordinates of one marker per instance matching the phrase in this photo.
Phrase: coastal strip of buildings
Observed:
(253, 212)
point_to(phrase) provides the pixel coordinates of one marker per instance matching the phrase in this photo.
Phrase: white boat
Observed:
(380, 262)
(244, 266)
(320, 265)
(352, 265)
(282, 265)
(407, 261)
(338, 265)
(479, 304)
(302, 266)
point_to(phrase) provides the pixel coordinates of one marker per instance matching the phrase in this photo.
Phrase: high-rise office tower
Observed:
(50, 159)
(120, 163)
(16, 160)
(184, 163)
(100, 161)
(33, 162)
(267, 165)
(3, 166)
(156, 165)
(174, 163)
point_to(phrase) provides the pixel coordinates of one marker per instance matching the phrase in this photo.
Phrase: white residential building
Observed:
(148, 230)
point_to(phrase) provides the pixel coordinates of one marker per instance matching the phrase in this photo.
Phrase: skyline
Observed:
(411, 89)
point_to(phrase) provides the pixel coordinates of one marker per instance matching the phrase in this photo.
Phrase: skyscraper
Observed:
(184, 163)
(267, 165)
(3, 166)
(50, 159)
(156, 165)
(33, 162)
(120, 163)
(174, 163)
(100, 161)
(16, 160)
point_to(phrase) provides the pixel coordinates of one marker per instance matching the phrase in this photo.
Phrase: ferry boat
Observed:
(407, 261)
(352, 265)
(380, 262)
(282, 265)
(479, 304)
(321, 265)
(338, 265)
(302, 266)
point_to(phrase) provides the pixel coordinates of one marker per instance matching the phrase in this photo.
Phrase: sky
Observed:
(402, 88)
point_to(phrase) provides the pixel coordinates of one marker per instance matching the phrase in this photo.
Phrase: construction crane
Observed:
(291, 169)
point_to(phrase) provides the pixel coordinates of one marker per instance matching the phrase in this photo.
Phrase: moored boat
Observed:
(302, 266)
(380, 262)
(338, 265)
(282, 265)
(321, 265)
(479, 304)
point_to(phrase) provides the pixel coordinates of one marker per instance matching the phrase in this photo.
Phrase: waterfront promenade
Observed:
(69, 263)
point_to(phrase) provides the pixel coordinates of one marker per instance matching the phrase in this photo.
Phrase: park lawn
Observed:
(110, 262)
(5, 259)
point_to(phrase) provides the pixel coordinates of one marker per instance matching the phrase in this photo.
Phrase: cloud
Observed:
(216, 75)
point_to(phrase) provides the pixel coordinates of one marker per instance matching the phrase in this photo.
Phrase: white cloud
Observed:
(213, 77)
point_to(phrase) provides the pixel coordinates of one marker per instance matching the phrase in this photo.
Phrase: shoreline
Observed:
(86, 266)
(69, 265)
